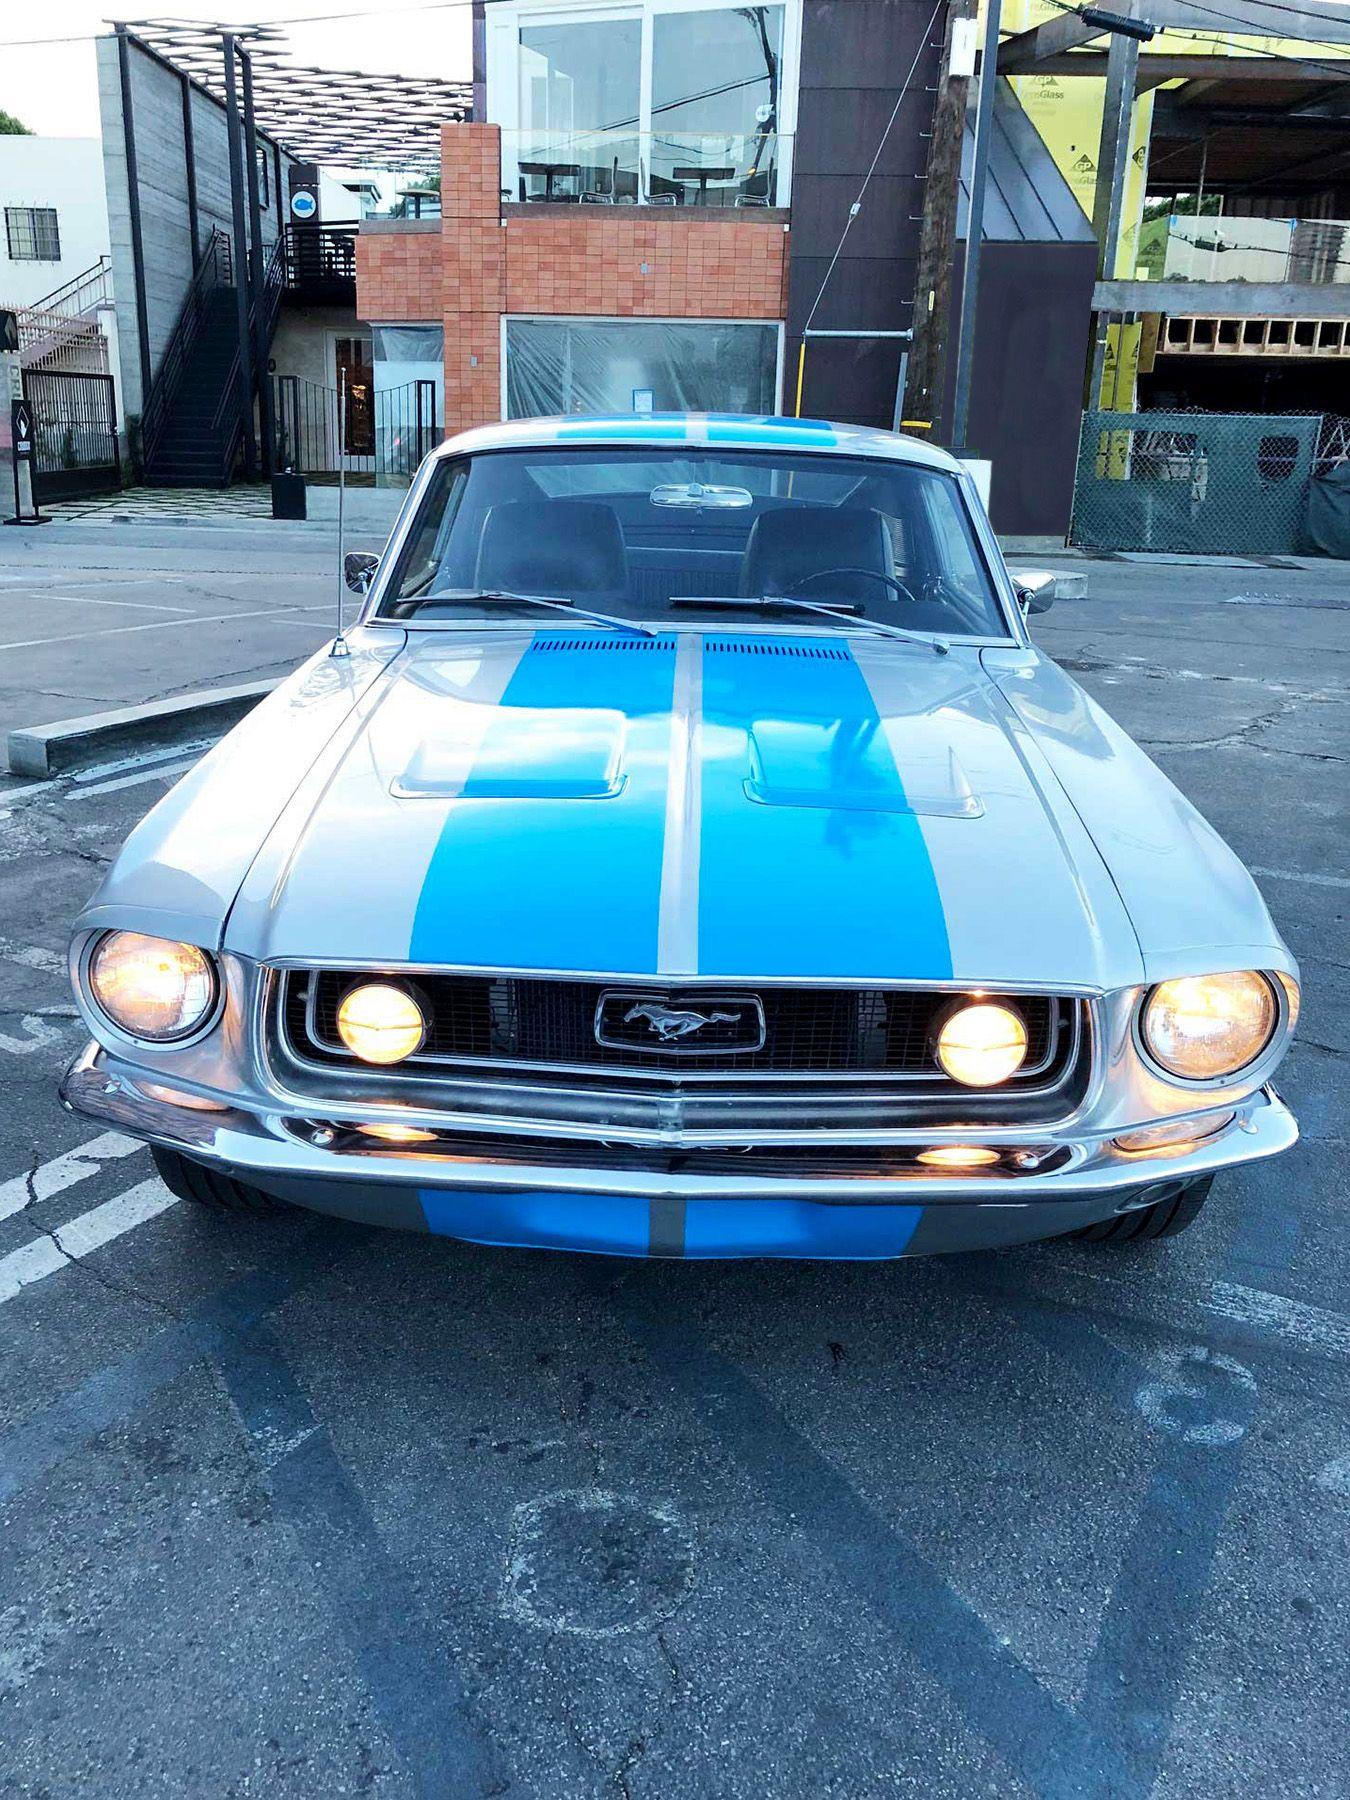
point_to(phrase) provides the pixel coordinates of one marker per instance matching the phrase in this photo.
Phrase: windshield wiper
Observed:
(505, 597)
(846, 614)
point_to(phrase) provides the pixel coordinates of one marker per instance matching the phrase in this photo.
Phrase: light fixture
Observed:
(380, 1023)
(959, 1156)
(1206, 1027)
(172, 1096)
(982, 1044)
(152, 988)
(1176, 1134)
(398, 1134)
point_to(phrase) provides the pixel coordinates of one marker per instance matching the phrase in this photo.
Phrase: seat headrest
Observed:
(565, 547)
(790, 543)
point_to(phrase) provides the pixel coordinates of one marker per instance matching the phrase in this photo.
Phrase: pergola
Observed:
(336, 116)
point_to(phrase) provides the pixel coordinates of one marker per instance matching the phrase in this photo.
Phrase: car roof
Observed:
(731, 431)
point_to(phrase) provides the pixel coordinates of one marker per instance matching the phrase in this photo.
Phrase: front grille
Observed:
(808, 1033)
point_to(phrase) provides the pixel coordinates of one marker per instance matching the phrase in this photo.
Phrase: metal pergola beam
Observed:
(1156, 67)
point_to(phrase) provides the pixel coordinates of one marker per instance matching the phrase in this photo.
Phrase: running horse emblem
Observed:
(671, 1023)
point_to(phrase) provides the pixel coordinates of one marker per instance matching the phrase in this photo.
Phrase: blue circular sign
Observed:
(303, 204)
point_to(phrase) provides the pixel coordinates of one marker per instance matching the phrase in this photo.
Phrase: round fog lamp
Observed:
(380, 1023)
(982, 1044)
(152, 988)
(1204, 1027)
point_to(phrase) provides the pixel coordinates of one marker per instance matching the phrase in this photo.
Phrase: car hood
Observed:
(739, 805)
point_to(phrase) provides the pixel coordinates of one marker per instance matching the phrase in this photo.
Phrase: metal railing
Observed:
(227, 424)
(79, 295)
(386, 433)
(652, 168)
(1216, 247)
(317, 255)
(215, 269)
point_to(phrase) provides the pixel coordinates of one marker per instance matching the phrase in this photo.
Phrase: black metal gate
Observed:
(74, 434)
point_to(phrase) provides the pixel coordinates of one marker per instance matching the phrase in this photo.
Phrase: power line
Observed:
(361, 12)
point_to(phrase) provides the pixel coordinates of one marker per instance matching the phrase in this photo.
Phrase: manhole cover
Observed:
(596, 1564)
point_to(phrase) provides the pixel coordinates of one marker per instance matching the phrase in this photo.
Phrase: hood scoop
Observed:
(552, 753)
(848, 765)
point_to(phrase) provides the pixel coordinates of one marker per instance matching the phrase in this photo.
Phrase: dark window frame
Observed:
(32, 234)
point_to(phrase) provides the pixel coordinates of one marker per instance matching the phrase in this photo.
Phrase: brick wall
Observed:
(614, 262)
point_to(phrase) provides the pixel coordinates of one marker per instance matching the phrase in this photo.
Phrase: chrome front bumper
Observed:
(1090, 1178)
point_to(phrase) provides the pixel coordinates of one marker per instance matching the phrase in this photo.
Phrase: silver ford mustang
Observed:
(688, 853)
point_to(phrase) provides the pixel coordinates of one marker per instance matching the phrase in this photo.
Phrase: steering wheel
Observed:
(891, 582)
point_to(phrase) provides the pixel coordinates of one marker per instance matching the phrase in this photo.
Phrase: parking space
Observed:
(291, 1508)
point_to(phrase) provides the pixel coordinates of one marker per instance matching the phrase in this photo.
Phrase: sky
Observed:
(53, 88)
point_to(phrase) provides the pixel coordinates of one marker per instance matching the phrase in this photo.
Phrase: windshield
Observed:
(733, 535)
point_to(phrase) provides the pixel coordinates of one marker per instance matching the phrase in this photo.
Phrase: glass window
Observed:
(684, 533)
(716, 94)
(580, 89)
(638, 366)
(31, 234)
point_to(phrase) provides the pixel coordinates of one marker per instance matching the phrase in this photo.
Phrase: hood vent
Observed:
(602, 646)
(772, 647)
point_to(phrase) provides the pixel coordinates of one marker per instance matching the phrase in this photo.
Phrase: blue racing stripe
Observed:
(611, 1225)
(801, 885)
(543, 879)
(801, 435)
(797, 1228)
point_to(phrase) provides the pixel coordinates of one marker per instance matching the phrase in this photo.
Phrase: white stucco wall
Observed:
(64, 173)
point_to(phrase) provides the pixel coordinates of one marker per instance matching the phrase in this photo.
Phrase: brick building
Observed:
(645, 207)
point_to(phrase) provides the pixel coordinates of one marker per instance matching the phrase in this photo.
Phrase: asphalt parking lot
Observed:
(291, 1508)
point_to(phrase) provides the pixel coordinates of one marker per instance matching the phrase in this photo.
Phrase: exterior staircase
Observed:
(193, 420)
(61, 332)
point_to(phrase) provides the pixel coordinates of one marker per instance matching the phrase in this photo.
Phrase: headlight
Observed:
(380, 1023)
(1203, 1027)
(982, 1044)
(150, 987)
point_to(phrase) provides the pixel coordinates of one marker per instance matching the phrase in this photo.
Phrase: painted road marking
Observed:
(1306, 1327)
(80, 637)
(30, 956)
(90, 1231)
(1331, 881)
(137, 605)
(160, 772)
(64, 1171)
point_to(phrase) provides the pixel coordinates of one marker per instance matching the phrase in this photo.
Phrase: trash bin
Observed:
(288, 496)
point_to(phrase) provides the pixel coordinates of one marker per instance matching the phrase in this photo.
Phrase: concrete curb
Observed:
(65, 744)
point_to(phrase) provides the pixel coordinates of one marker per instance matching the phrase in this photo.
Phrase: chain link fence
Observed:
(1265, 484)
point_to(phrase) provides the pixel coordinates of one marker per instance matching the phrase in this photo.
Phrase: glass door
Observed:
(580, 100)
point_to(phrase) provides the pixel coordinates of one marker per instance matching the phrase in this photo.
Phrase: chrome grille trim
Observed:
(684, 1106)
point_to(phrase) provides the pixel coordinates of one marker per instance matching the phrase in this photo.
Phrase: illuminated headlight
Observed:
(152, 988)
(982, 1044)
(1205, 1027)
(380, 1023)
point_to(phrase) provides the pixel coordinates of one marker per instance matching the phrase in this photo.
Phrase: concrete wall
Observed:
(161, 163)
(301, 344)
(64, 173)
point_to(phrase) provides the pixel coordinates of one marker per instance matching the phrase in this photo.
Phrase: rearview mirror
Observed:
(1037, 589)
(358, 570)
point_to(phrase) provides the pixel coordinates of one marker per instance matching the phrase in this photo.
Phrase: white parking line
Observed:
(29, 956)
(1304, 875)
(90, 1231)
(160, 772)
(80, 637)
(64, 1171)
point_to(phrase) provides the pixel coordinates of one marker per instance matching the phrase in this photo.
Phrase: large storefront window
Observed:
(639, 366)
(667, 103)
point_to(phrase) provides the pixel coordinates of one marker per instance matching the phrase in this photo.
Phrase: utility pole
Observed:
(937, 237)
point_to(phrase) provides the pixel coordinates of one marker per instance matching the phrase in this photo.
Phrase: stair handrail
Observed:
(227, 432)
(214, 269)
(96, 278)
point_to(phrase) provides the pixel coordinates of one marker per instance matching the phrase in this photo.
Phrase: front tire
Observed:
(208, 1187)
(1164, 1219)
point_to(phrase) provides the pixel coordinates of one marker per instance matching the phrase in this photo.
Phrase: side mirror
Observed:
(358, 570)
(1037, 589)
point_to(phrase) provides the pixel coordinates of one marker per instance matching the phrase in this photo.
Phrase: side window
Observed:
(956, 556)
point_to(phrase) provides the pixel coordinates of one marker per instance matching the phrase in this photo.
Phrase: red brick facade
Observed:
(613, 262)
